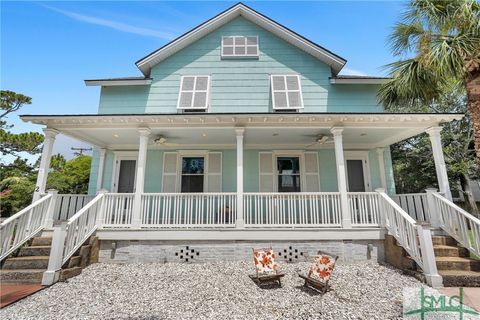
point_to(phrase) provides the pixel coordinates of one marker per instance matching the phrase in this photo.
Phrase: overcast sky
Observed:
(49, 48)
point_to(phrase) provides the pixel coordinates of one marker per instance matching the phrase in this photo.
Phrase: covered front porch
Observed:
(242, 171)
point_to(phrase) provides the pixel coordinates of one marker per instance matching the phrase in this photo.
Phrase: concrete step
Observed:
(69, 273)
(450, 251)
(41, 241)
(443, 240)
(34, 251)
(74, 262)
(457, 263)
(35, 262)
(458, 278)
(21, 275)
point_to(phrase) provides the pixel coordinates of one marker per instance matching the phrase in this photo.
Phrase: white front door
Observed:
(125, 171)
(358, 176)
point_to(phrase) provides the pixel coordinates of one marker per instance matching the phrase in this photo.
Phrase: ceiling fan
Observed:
(161, 140)
(321, 139)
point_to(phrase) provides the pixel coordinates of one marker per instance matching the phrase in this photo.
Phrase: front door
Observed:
(356, 176)
(126, 176)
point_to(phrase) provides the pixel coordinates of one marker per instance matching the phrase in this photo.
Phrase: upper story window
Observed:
(240, 47)
(194, 93)
(286, 92)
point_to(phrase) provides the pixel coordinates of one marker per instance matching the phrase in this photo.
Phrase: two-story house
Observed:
(241, 133)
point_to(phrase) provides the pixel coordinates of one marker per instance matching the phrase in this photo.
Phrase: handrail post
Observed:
(54, 269)
(100, 221)
(381, 207)
(428, 256)
(432, 208)
(51, 208)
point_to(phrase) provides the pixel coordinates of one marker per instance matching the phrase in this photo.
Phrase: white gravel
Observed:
(214, 291)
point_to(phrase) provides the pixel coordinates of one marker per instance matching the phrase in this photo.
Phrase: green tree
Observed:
(438, 41)
(11, 143)
(72, 176)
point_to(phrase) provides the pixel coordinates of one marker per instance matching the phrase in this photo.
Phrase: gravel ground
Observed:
(214, 291)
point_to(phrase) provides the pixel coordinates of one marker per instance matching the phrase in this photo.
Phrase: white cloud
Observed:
(352, 72)
(120, 26)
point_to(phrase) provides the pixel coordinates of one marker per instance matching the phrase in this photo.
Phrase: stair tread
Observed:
(459, 273)
(38, 247)
(455, 259)
(30, 258)
(22, 270)
(445, 246)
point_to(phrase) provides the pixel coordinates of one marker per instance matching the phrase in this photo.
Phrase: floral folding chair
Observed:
(267, 270)
(320, 271)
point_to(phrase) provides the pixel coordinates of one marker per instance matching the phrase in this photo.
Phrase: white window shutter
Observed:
(312, 181)
(194, 92)
(170, 171)
(286, 92)
(266, 172)
(214, 172)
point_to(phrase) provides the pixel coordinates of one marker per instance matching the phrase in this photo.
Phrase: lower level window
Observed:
(288, 172)
(192, 174)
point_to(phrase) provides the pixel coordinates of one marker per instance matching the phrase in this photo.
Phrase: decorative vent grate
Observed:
(292, 254)
(187, 254)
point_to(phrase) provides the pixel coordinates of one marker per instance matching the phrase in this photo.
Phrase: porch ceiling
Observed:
(261, 130)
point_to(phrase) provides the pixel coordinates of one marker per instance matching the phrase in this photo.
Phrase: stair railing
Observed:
(69, 237)
(24, 225)
(458, 223)
(415, 238)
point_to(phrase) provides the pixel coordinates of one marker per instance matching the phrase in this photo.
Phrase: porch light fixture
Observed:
(363, 134)
(275, 134)
(115, 135)
(204, 135)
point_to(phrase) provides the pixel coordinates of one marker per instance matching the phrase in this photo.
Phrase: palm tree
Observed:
(438, 42)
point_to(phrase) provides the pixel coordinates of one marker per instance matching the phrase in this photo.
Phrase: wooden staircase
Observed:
(32, 261)
(454, 263)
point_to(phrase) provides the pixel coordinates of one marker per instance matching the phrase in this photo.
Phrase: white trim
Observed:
(146, 63)
(117, 157)
(191, 154)
(236, 56)
(327, 234)
(288, 153)
(112, 83)
(363, 156)
(359, 80)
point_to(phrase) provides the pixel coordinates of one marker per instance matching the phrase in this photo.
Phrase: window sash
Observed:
(239, 45)
(286, 91)
(195, 93)
(188, 187)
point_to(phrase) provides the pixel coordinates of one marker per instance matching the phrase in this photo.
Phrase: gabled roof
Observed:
(334, 61)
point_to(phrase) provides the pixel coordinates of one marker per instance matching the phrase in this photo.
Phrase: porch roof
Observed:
(293, 130)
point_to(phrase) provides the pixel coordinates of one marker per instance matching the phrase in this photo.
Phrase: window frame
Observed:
(236, 56)
(286, 91)
(204, 174)
(208, 91)
(299, 174)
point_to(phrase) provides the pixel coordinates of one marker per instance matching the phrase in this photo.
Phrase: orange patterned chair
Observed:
(267, 270)
(320, 271)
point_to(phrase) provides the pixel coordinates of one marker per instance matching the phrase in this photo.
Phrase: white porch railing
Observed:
(292, 209)
(22, 226)
(415, 204)
(458, 223)
(118, 210)
(364, 208)
(173, 210)
(67, 205)
(81, 226)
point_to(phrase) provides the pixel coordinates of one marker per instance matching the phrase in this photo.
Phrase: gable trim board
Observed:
(334, 61)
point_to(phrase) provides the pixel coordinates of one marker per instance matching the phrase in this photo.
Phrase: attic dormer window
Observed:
(194, 93)
(240, 47)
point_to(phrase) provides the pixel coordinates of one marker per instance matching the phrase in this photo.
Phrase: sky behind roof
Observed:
(48, 48)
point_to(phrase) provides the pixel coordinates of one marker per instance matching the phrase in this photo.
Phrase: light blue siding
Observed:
(239, 85)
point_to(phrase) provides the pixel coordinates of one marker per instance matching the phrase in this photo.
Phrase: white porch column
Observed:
(341, 176)
(140, 177)
(101, 164)
(440, 167)
(240, 223)
(381, 167)
(50, 135)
